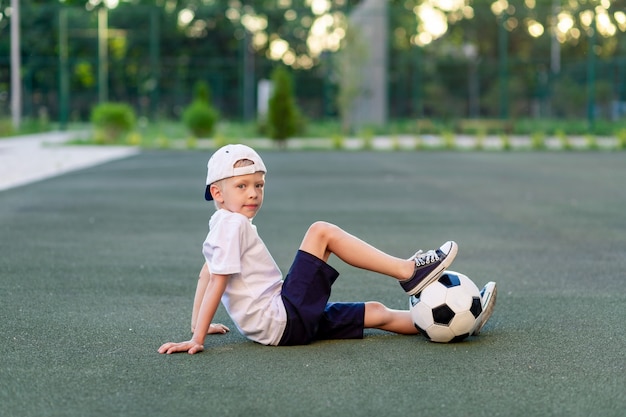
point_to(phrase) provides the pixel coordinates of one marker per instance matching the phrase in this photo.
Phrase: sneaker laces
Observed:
(424, 258)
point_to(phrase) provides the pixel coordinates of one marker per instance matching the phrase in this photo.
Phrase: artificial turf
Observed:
(98, 268)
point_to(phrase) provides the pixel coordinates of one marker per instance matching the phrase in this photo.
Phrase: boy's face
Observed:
(242, 194)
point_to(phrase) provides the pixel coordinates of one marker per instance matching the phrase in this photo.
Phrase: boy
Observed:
(240, 272)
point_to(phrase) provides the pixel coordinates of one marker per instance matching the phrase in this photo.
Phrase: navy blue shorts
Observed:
(310, 316)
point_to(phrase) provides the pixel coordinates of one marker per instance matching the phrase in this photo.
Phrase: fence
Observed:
(144, 63)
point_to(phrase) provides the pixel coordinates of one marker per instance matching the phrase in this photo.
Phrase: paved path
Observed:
(31, 158)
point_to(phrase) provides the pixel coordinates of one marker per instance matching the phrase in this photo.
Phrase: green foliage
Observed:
(191, 143)
(338, 141)
(368, 143)
(112, 121)
(27, 126)
(430, 80)
(367, 134)
(6, 127)
(423, 126)
(419, 143)
(395, 143)
(479, 143)
(163, 143)
(569, 98)
(200, 117)
(134, 139)
(283, 116)
(220, 140)
(566, 144)
(449, 140)
(506, 143)
(591, 142)
(202, 92)
(621, 139)
(538, 141)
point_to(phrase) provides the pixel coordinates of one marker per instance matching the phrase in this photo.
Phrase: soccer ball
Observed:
(447, 309)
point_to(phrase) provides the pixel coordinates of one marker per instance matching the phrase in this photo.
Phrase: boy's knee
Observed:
(321, 228)
(375, 308)
(376, 314)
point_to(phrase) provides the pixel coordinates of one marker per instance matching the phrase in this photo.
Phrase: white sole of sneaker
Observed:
(489, 303)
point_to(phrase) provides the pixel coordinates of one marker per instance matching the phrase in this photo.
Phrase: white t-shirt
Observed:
(252, 297)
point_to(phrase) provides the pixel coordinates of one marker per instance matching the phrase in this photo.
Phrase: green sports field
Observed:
(98, 268)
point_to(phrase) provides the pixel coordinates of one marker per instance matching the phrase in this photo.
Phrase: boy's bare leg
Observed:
(323, 238)
(378, 316)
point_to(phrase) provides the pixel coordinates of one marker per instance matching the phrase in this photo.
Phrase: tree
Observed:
(200, 117)
(199, 39)
(112, 121)
(283, 114)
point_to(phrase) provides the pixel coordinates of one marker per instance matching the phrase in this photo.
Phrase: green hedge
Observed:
(112, 121)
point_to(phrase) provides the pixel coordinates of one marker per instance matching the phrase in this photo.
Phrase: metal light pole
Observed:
(591, 75)
(555, 58)
(64, 89)
(555, 46)
(16, 66)
(503, 44)
(248, 77)
(473, 89)
(103, 55)
(155, 61)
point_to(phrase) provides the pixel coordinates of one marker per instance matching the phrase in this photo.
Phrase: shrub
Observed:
(449, 141)
(337, 141)
(162, 142)
(283, 116)
(220, 140)
(395, 143)
(419, 143)
(200, 119)
(506, 143)
(621, 139)
(200, 116)
(566, 144)
(368, 138)
(112, 121)
(538, 141)
(134, 139)
(591, 142)
(191, 143)
(479, 142)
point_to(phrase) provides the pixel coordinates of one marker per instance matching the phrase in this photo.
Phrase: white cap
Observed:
(222, 165)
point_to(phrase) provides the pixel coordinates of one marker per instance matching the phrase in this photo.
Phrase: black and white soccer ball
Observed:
(447, 309)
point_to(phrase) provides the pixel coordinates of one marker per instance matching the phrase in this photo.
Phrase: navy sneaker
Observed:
(488, 301)
(429, 266)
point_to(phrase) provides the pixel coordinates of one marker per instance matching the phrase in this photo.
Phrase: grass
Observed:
(27, 126)
(565, 135)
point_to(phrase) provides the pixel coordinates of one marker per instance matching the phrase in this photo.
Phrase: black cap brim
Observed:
(207, 193)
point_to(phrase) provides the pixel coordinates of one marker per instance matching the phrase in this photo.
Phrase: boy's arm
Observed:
(203, 281)
(210, 302)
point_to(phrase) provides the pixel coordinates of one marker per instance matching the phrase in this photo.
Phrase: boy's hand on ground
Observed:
(217, 328)
(189, 346)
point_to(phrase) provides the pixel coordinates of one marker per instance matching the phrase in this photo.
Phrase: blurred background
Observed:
(412, 63)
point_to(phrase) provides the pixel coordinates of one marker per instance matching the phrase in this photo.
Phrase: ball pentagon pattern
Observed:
(446, 310)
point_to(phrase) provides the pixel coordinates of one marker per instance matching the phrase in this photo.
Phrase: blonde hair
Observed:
(219, 184)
